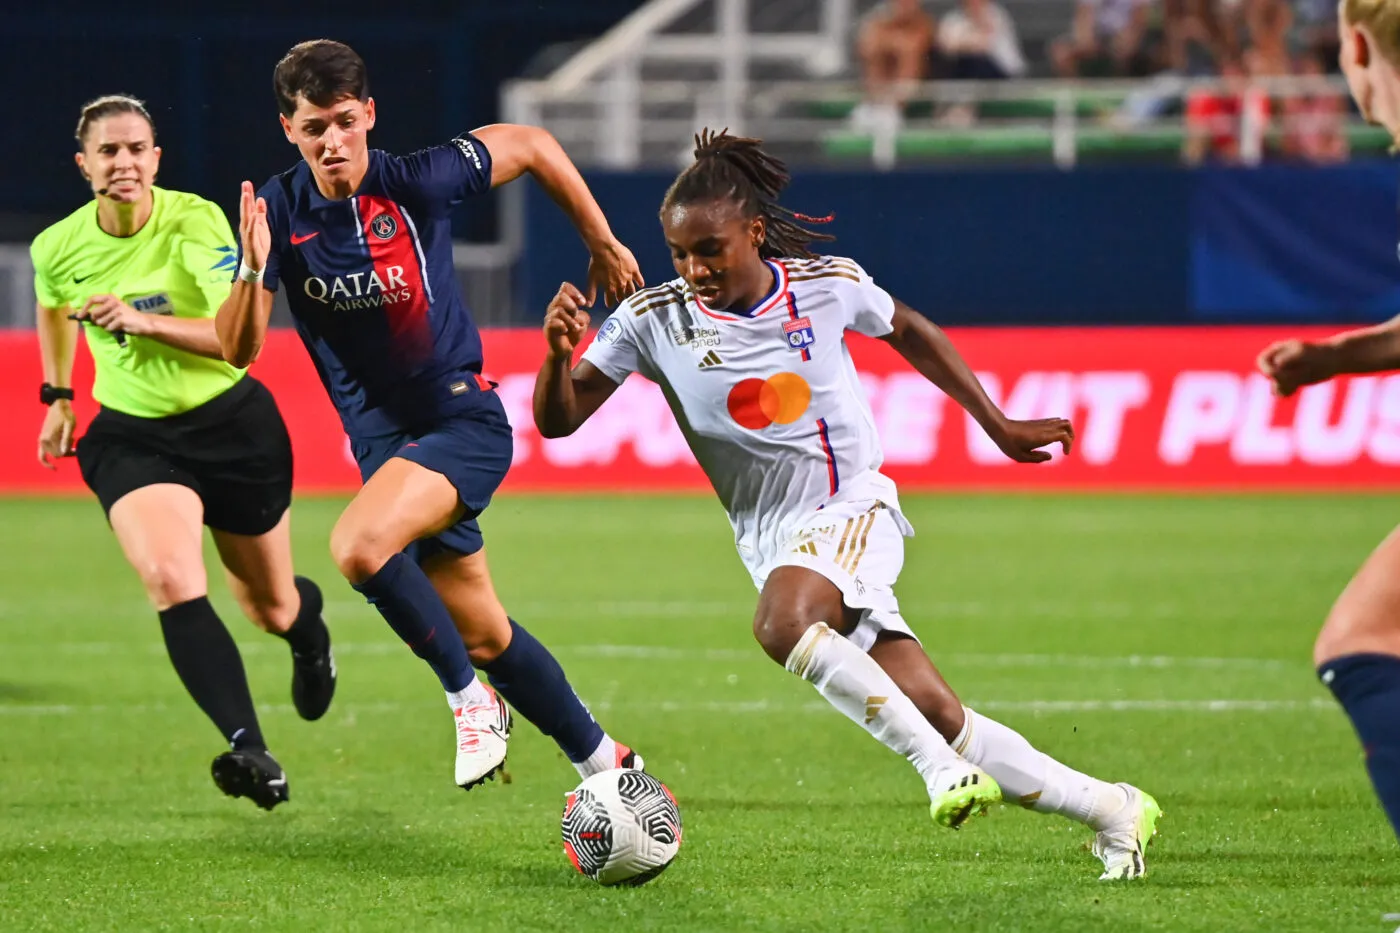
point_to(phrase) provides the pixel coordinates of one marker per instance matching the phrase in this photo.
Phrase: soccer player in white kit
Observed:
(748, 346)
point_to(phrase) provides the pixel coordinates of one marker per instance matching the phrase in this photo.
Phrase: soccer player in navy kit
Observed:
(361, 240)
(1357, 653)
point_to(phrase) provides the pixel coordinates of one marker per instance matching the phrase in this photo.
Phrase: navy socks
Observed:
(532, 682)
(1368, 687)
(407, 601)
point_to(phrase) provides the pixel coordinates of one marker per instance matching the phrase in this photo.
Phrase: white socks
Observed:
(850, 680)
(473, 694)
(1033, 778)
(604, 758)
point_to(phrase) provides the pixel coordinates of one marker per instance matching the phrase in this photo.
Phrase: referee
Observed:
(183, 439)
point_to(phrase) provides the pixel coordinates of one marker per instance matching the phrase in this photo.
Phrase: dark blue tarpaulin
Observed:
(1120, 245)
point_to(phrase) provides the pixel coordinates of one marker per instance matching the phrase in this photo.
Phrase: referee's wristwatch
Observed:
(49, 394)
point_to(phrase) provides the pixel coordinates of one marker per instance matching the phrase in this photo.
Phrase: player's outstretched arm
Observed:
(241, 323)
(1292, 364)
(518, 150)
(929, 350)
(566, 395)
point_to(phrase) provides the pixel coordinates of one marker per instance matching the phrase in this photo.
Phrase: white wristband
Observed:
(246, 274)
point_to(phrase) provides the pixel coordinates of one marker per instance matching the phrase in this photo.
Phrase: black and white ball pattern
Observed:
(621, 827)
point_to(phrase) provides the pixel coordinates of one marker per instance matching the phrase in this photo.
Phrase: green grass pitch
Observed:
(1159, 640)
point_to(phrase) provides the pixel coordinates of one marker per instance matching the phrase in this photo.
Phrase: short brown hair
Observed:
(1382, 19)
(323, 71)
(109, 105)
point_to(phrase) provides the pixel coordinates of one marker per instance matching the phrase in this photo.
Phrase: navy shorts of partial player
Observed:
(373, 293)
(472, 449)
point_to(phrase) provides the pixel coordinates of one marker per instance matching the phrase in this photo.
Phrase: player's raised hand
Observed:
(1022, 440)
(253, 231)
(613, 268)
(566, 321)
(1292, 364)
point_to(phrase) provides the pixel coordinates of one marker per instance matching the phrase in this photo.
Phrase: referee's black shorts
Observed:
(233, 451)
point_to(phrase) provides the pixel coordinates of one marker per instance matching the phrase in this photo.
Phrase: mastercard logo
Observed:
(780, 399)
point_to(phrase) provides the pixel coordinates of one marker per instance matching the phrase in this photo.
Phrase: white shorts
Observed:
(858, 546)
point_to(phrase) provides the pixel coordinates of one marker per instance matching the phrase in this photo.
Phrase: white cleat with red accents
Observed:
(483, 732)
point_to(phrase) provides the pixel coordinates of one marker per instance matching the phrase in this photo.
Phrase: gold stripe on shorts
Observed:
(858, 551)
(840, 548)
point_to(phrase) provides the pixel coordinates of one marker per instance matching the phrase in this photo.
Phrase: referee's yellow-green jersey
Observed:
(180, 263)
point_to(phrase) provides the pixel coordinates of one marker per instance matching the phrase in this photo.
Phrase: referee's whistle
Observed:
(120, 334)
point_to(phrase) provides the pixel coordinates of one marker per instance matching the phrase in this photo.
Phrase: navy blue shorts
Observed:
(472, 449)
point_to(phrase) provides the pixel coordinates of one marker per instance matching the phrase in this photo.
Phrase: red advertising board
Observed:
(1154, 408)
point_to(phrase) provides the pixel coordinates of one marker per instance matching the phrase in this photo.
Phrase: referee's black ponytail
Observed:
(737, 168)
(109, 106)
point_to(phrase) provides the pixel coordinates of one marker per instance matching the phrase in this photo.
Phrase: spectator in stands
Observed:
(1194, 34)
(979, 41)
(1231, 16)
(1105, 36)
(1193, 41)
(894, 46)
(1314, 124)
(1226, 125)
(1269, 22)
(1317, 27)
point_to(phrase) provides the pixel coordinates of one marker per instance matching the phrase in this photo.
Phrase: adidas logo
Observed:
(873, 705)
(710, 359)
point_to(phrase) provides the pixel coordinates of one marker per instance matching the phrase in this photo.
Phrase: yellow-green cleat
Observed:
(967, 791)
(1122, 847)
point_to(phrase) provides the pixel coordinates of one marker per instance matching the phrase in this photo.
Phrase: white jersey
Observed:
(768, 399)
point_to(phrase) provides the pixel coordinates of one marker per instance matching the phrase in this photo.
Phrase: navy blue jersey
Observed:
(372, 288)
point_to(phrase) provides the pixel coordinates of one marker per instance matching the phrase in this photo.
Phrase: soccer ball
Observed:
(621, 827)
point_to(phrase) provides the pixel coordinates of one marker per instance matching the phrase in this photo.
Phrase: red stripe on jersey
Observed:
(831, 475)
(792, 313)
(392, 248)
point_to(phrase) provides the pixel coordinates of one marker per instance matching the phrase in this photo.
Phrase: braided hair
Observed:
(736, 168)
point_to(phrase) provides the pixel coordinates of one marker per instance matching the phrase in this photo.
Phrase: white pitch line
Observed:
(974, 659)
(1155, 706)
(618, 609)
(926, 613)
(677, 654)
(968, 659)
(747, 707)
(930, 613)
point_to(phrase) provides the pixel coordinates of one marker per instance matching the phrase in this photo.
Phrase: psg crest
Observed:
(383, 226)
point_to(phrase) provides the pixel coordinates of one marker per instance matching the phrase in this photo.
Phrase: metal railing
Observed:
(800, 117)
(612, 71)
(633, 97)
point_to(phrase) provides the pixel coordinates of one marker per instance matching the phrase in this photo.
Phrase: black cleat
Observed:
(251, 773)
(313, 683)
